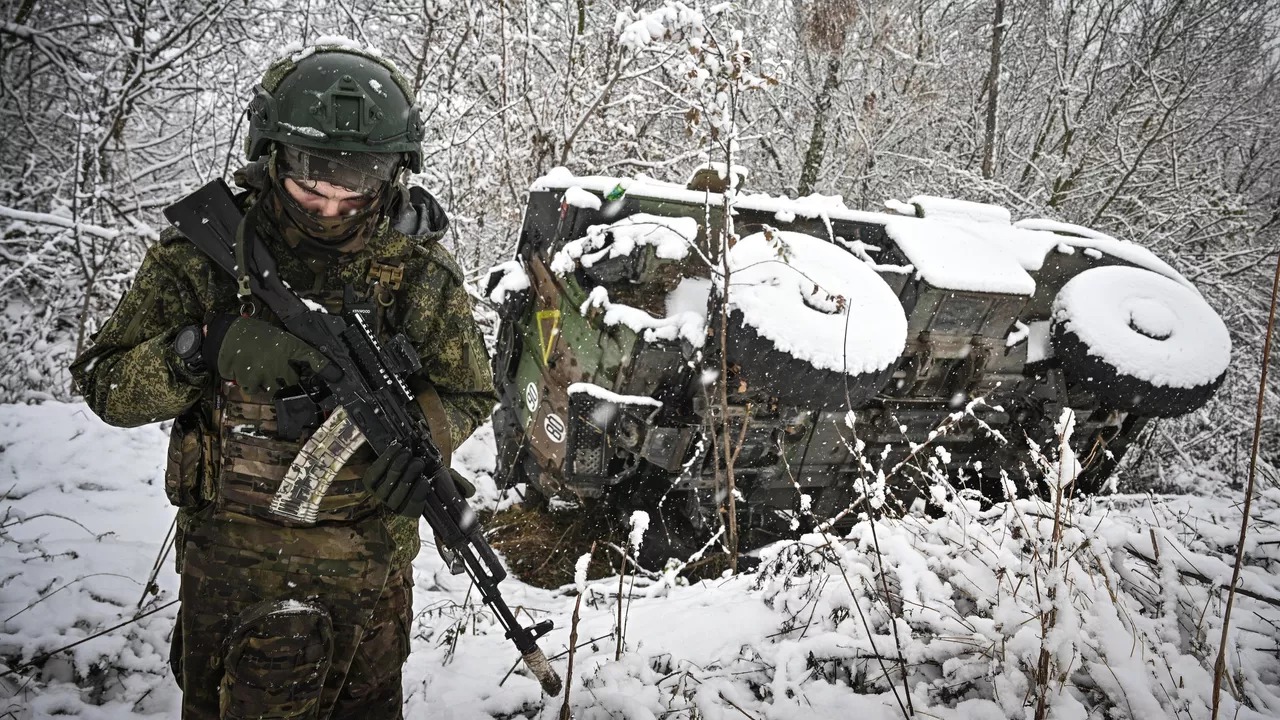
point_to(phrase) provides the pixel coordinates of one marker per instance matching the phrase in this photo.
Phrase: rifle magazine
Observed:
(317, 464)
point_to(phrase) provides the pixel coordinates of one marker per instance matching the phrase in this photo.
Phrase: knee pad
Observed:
(276, 661)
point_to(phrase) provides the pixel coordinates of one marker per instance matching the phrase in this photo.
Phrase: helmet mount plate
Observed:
(345, 110)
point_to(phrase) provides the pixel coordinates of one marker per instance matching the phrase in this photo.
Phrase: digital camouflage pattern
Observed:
(366, 615)
(225, 462)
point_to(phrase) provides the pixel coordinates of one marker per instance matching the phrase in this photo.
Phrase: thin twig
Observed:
(1220, 667)
(870, 635)
(46, 595)
(622, 577)
(1154, 562)
(893, 625)
(41, 658)
(735, 706)
(150, 587)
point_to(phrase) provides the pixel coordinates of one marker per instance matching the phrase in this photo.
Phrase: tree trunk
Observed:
(993, 94)
(818, 137)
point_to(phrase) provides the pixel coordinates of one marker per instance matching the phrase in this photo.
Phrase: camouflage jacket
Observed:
(132, 376)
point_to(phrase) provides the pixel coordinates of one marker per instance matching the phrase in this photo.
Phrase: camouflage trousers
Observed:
(280, 622)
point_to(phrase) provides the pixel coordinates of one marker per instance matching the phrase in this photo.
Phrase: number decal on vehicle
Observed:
(554, 427)
(531, 396)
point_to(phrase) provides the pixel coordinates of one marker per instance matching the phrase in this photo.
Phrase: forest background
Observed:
(1151, 120)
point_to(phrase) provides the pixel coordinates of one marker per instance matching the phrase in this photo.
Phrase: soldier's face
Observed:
(326, 200)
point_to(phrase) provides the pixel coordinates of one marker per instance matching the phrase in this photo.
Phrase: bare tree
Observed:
(1150, 119)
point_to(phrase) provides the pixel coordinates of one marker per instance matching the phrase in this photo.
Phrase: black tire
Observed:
(676, 530)
(767, 367)
(793, 381)
(1094, 333)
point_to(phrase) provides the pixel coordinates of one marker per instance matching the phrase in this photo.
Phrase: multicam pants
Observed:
(334, 646)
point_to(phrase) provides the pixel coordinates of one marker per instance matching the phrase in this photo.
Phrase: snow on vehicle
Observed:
(853, 337)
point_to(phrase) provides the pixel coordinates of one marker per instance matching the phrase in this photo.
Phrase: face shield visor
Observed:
(362, 172)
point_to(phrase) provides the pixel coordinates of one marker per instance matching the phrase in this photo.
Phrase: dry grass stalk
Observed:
(622, 577)
(565, 712)
(1220, 666)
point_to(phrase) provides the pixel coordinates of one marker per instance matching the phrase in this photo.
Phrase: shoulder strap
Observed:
(437, 420)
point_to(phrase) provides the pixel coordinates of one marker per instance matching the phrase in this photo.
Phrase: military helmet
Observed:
(335, 98)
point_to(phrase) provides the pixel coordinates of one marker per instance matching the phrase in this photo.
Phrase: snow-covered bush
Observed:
(970, 604)
(1048, 608)
(1039, 608)
(974, 609)
(67, 282)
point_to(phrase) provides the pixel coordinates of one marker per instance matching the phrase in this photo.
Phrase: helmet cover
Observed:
(335, 99)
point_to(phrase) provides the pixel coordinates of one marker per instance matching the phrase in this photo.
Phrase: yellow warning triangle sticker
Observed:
(548, 329)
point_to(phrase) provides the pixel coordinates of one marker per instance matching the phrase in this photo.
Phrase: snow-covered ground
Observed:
(973, 606)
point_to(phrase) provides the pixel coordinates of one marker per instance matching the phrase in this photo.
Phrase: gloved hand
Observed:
(257, 355)
(397, 478)
(465, 488)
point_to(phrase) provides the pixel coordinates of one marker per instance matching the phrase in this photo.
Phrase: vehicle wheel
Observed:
(1139, 341)
(674, 532)
(809, 323)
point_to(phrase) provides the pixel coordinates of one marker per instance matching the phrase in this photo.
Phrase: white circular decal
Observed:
(554, 427)
(531, 396)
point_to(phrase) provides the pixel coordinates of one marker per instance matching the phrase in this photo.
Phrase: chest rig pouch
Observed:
(270, 442)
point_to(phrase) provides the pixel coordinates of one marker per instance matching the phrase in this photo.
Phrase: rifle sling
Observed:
(433, 408)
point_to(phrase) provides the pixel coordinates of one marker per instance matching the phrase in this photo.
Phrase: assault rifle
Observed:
(362, 389)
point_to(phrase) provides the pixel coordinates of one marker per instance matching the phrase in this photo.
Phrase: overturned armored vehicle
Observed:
(866, 352)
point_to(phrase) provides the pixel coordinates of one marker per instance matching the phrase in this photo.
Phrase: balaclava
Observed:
(370, 174)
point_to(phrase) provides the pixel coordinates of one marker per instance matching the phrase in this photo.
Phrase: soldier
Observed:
(281, 618)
